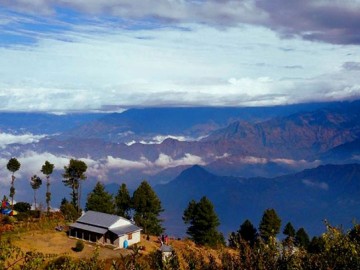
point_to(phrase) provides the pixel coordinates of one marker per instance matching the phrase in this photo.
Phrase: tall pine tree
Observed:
(147, 208)
(302, 238)
(248, 232)
(203, 222)
(35, 183)
(47, 169)
(74, 173)
(269, 225)
(123, 202)
(289, 230)
(100, 200)
(13, 165)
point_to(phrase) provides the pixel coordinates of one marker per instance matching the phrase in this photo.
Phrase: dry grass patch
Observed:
(58, 243)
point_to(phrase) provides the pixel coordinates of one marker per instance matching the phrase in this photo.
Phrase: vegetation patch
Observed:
(79, 246)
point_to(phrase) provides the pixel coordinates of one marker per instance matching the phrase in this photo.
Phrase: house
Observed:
(166, 252)
(105, 229)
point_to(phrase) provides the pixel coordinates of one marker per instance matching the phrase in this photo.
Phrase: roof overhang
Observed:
(89, 228)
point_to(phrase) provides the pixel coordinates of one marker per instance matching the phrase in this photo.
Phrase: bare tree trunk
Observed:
(79, 196)
(35, 199)
(48, 193)
(12, 188)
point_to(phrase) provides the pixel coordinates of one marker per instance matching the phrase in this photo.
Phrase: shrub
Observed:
(22, 216)
(35, 213)
(8, 220)
(22, 207)
(62, 262)
(69, 212)
(79, 246)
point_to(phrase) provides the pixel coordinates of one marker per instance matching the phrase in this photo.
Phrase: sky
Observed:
(88, 55)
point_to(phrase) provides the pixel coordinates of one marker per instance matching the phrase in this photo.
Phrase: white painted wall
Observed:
(136, 237)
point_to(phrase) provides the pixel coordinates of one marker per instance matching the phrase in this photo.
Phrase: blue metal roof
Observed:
(100, 223)
(99, 219)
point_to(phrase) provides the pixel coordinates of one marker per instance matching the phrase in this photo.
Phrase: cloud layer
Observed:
(91, 68)
(315, 184)
(289, 162)
(7, 139)
(330, 21)
(31, 163)
(91, 55)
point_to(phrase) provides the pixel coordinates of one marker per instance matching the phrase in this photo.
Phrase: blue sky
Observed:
(61, 55)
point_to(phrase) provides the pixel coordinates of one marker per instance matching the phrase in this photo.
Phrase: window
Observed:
(129, 236)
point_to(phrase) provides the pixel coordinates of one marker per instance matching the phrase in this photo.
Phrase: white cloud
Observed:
(212, 12)
(166, 161)
(253, 160)
(297, 163)
(31, 163)
(158, 139)
(100, 168)
(7, 139)
(290, 162)
(225, 155)
(124, 164)
(162, 162)
(131, 142)
(89, 67)
(314, 184)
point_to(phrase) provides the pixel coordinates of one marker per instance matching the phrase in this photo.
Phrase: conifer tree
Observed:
(35, 183)
(74, 173)
(302, 238)
(203, 222)
(147, 208)
(123, 202)
(269, 225)
(100, 200)
(13, 165)
(69, 211)
(47, 169)
(316, 245)
(289, 230)
(248, 232)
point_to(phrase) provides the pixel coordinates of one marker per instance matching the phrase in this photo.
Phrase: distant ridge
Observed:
(300, 135)
(189, 121)
(306, 198)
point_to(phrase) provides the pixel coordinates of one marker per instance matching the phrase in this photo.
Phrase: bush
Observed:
(79, 246)
(69, 212)
(22, 207)
(22, 216)
(8, 220)
(62, 262)
(35, 213)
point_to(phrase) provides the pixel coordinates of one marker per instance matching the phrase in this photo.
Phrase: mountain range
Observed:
(244, 154)
(258, 146)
